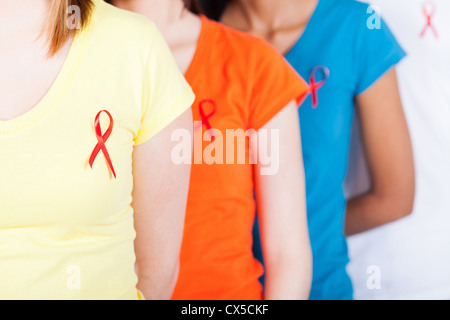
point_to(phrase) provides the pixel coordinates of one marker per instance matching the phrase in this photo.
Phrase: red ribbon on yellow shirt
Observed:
(429, 14)
(102, 138)
(314, 86)
(205, 117)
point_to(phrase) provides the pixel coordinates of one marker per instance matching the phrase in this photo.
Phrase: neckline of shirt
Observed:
(57, 89)
(200, 51)
(306, 31)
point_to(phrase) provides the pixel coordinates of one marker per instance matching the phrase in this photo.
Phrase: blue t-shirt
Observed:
(343, 39)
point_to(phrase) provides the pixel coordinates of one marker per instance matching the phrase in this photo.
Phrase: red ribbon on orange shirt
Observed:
(429, 14)
(205, 117)
(314, 86)
(102, 138)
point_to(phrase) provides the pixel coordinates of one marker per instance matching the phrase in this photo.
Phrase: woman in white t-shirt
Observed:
(409, 259)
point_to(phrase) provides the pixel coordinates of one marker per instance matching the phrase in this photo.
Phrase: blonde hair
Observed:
(57, 27)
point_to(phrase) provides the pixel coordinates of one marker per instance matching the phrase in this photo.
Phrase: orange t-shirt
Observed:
(249, 83)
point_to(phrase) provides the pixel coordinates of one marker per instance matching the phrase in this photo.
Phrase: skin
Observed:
(160, 197)
(284, 226)
(282, 215)
(24, 57)
(386, 138)
(160, 187)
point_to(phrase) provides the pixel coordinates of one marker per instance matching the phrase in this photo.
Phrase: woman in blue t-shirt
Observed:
(348, 54)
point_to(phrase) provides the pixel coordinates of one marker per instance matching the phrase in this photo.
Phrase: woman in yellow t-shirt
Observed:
(91, 205)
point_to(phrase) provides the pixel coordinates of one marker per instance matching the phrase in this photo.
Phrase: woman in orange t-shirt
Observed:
(246, 143)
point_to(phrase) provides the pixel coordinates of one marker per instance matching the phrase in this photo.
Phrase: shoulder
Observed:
(240, 45)
(350, 20)
(350, 6)
(347, 12)
(121, 28)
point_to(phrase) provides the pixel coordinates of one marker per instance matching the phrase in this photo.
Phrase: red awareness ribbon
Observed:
(429, 14)
(102, 138)
(205, 117)
(314, 86)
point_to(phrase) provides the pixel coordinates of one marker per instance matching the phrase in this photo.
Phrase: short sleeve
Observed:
(378, 52)
(166, 94)
(274, 83)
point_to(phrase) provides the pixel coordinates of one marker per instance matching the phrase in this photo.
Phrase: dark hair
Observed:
(213, 9)
(194, 6)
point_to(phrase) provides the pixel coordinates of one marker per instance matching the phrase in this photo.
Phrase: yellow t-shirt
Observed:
(66, 229)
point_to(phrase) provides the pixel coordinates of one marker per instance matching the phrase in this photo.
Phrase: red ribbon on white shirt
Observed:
(314, 86)
(102, 138)
(429, 10)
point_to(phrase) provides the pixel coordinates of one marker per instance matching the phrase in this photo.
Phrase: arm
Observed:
(390, 159)
(159, 201)
(282, 212)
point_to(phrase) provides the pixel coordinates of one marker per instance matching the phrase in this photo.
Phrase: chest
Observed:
(327, 112)
(221, 156)
(27, 75)
(47, 173)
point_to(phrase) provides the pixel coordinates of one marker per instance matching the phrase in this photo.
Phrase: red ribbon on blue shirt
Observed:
(314, 86)
(102, 138)
(429, 14)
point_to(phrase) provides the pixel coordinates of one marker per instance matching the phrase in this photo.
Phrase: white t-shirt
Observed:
(410, 258)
